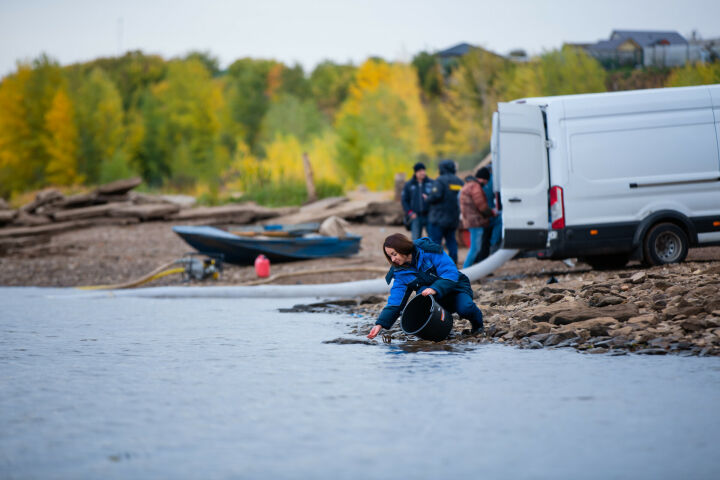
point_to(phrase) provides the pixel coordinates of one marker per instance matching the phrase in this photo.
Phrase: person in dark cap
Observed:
(444, 212)
(476, 215)
(414, 202)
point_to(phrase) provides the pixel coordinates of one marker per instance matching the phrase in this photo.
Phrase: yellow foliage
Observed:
(16, 158)
(245, 169)
(61, 142)
(695, 74)
(382, 123)
(379, 169)
(283, 159)
(321, 151)
(401, 81)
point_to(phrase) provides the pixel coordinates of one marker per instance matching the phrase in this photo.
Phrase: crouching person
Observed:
(423, 267)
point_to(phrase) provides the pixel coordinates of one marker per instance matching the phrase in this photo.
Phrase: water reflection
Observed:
(159, 388)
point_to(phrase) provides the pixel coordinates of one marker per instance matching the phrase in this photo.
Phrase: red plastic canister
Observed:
(262, 266)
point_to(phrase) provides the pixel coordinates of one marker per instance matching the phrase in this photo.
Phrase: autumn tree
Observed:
(61, 142)
(381, 119)
(16, 136)
(695, 74)
(474, 88)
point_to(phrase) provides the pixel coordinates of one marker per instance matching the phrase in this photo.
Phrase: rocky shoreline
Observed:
(663, 310)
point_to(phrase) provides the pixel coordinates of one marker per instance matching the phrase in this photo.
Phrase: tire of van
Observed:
(665, 243)
(606, 262)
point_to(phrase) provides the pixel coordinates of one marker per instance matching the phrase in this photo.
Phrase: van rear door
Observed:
(523, 175)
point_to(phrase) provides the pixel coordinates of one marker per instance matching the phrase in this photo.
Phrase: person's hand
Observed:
(428, 291)
(375, 330)
(424, 196)
(495, 212)
(413, 216)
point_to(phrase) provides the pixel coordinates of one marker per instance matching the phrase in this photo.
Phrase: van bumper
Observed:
(585, 240)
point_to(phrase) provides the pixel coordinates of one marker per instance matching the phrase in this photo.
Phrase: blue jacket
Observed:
(412, 199)
(430, 267)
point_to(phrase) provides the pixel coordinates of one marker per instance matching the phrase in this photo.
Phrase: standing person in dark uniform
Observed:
(414, 204)
(422, 266)
(444, 213)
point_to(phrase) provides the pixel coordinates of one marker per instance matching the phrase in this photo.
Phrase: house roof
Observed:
(456, 51)
(649, 37)
(607, 45)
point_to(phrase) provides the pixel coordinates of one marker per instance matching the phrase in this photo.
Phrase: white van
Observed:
(610, 177)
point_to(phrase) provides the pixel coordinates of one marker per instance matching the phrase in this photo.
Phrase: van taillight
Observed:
(557, 208)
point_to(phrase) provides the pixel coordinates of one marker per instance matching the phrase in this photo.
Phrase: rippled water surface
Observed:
(219, 388)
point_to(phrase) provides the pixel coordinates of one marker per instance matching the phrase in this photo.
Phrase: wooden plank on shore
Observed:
(50, 228)
(25, 219)
(85, 212)
(324, 204)
(7, 244)
(351, 209)
(119, 187)
(7, 216)
(145, 212)
(44, 197)
(237, 214)
(60, 227)
(77, 201)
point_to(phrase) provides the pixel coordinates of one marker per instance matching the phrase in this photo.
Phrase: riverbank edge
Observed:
(656, 311)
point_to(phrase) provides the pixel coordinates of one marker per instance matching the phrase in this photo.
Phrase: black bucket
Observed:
(425, 318)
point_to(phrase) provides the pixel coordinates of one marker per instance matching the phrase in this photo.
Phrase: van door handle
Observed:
(515, 200)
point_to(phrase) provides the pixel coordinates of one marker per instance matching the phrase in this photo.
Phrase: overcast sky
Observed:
(308, 32)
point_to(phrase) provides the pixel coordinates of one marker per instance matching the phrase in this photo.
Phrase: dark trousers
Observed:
(463, 304)
(437, 233)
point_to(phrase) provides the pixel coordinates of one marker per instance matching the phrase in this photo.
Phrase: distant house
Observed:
(449, 56)
(644, 48)
(455, 51)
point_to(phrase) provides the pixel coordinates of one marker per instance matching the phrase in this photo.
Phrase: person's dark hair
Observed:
(400, 243)
(418, 166)
(483, 173)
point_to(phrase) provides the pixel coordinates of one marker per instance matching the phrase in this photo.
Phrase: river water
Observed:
(231, 389)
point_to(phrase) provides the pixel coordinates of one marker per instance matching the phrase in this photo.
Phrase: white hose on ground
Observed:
(326, 290)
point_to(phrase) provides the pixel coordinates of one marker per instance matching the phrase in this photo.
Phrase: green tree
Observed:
(430, 74)
(101, 120)
(212, 64)
(248, 96)
(569, 71)
(289, 116)
(132, 74)
(329, 85)
(182, 126)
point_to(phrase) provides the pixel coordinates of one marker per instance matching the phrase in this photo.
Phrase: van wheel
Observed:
(606, 262)
(665, 243)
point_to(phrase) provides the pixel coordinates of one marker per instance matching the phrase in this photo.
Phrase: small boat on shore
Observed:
(279, 243)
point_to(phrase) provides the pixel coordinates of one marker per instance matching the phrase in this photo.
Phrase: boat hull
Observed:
(244, 250)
